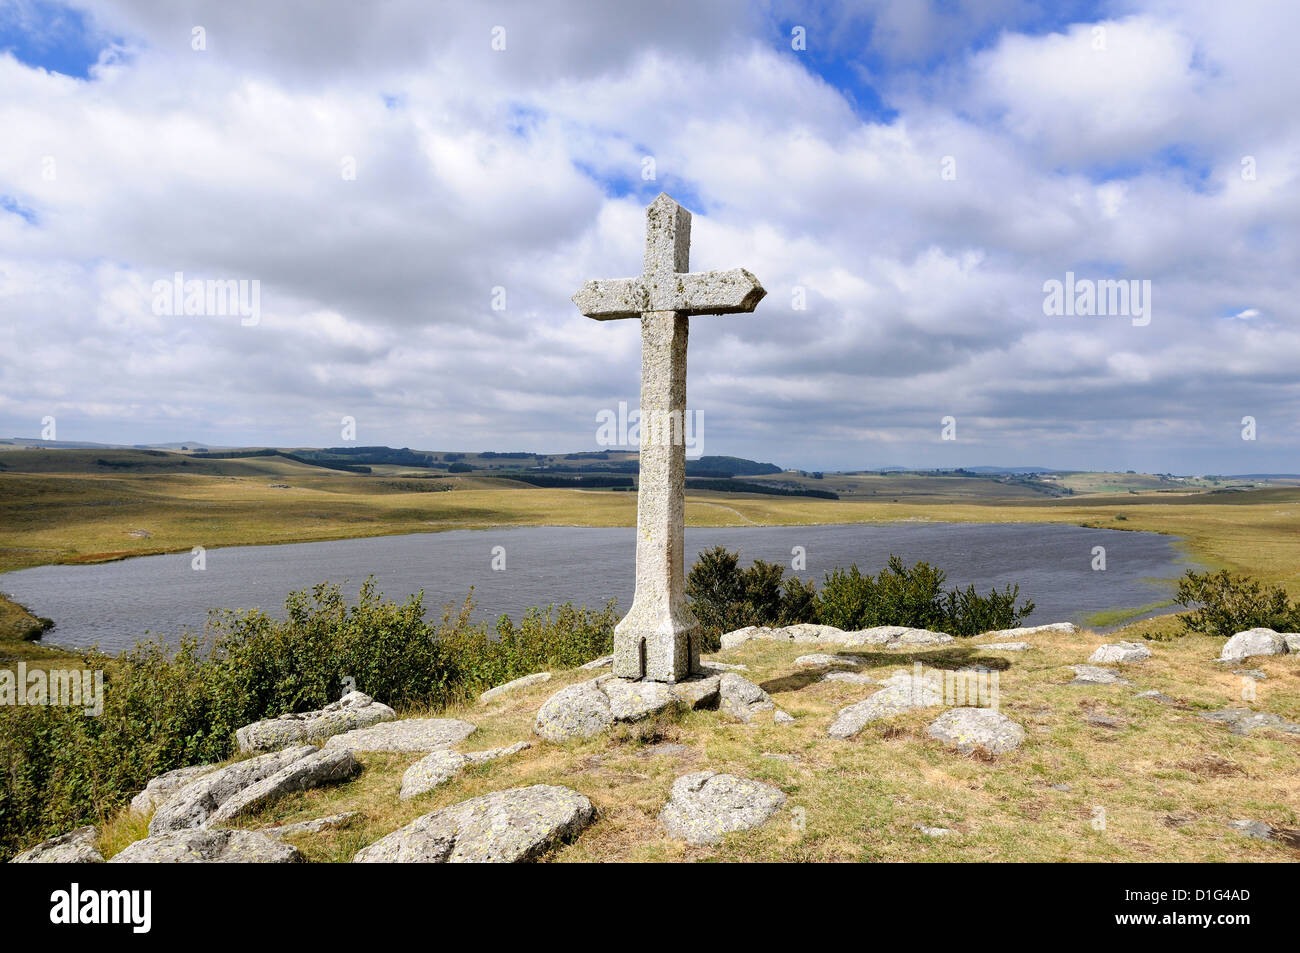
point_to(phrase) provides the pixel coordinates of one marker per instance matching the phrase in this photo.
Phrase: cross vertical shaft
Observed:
(659, 637)
(656, 640)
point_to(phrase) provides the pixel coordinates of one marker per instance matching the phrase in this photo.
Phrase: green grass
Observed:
(1108, 617)
(1168, 781)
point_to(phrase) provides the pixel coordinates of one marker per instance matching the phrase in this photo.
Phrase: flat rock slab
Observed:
(441, 766)
(1120, 652)
(932, 831)
(194, 804)
(821, 660)
(741, 698)
(509, 826)
(605, 661)
(1092, 675)
(209, 846)
(1057, 628)
(164, 786)
(409, 734)
(717, 668)
(1003, 646)
(1254, 673)
(853, 678)
(74, 847)
(1253, 642)
(705, 806)
(1242, 721)
(902, 692)
(326, 766)
(969, 729)
(889, 636)
(330, 822)
(353, 710)
(1100, 720)
(588, 708)
(528, 680)
(1156, 696)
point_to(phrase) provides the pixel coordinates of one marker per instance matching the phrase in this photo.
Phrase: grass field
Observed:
(84, 506)
(1165, 782)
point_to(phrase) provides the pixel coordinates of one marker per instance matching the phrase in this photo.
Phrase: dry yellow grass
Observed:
(1168, 781)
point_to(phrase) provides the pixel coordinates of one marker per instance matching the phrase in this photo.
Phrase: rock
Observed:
(1120, 652)
(705, 805)
(441, 766)
(509, 826)
(605, 661)
(209, 846)
(1092, 675)
(783, 717)
(1103, 721)
(853, 678)
(535, 679)
(667, 748)
(165, 785)
(1060, 628)
(811, 632)
(932, 831)
(1156, 696)
(901, 693)
(1061, 787)
(634, 701)
(741, 698)
(409, 734)
(748, 634)
(1254, 829)
(577, 711)
(889, 635)
(1004, 646)
(698, 691)
(193, 804)
(327, 766)
(1242, 721)
(920, 637)
(717, 668)
(328, 823)
(820, 660)
(353, 710)
(968, 729)
(876, 635)
(1292, 640)
(588, 708)
(777, 756)
(1253, 642)
(74, 847)
(1254, 673)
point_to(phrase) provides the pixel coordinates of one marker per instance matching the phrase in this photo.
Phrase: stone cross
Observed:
(658, 638)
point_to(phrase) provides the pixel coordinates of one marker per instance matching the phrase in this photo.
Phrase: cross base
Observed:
(657, 649)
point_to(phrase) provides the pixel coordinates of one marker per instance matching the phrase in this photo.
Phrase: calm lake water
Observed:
(115, 604)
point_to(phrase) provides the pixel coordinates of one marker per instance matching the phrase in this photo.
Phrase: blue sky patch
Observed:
(52, 37)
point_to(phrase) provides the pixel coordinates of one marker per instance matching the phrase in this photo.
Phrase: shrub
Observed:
(167, 707)
(725, 597)
(914, 597)
(1228, 603)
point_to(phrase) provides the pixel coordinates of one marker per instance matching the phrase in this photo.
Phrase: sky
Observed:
(414, 192)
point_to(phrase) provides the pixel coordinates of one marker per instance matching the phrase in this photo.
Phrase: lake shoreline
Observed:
(160, 597)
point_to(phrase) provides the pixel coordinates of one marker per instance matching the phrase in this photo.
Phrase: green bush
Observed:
(914, 597)
(1228, 603)
(168, 707)
(725, 597)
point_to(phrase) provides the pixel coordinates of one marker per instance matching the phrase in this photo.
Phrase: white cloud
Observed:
(474, 169)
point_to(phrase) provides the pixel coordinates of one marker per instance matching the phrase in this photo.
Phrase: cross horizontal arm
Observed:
(703, 292)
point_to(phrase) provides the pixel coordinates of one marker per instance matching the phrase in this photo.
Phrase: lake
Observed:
(117, 603)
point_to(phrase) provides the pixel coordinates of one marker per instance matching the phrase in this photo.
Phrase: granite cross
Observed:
(658, 638)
